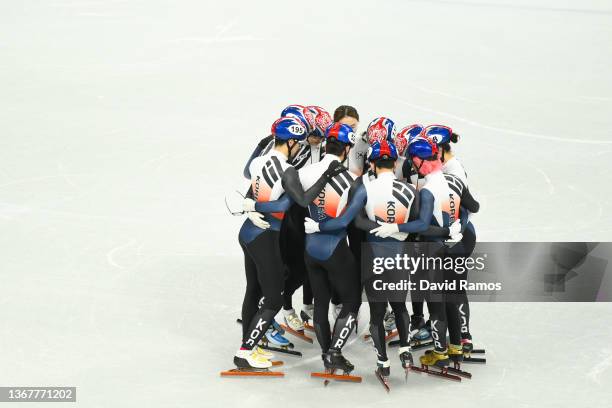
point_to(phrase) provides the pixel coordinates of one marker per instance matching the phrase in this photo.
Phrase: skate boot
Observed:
(383, 371)
(250, 360)
(334, 360)
(274, 338)
(467, 346)
(293, 321)
(418, 328)
(455, 353)
(468, 349)
(265, 354)
(435, 358)
(405, 357)
(389, 321)
(307, 313)
(277, 327)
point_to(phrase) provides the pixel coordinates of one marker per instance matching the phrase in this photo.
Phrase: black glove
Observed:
(335, 168)
(264, 142)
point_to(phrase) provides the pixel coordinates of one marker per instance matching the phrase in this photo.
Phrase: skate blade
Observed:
(474, 360)
(391, 335)
(427, 370)
(337, 377)
(388, 336)
(298, 334)
(458, 371)
(383, 382)
(282, 350)
(237, 372)
(421, 345)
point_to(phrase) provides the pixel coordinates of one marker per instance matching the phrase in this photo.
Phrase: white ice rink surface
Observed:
(124, 123)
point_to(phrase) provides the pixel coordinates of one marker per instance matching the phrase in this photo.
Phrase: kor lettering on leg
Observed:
(464, 328)
(256, 332)
(345, 332)
(435, 335)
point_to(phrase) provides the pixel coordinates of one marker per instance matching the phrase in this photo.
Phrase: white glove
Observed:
(258, 219)
(311, 225)
(455, 228)
(385, 230)
(400, 236)
(455, 238)
(248, 205)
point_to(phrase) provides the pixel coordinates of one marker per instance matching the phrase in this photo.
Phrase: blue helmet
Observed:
(381, 129)
(288, 128)
(303, 114)
(382, 150)
(341, 132)
(439, 134)
(423, 148)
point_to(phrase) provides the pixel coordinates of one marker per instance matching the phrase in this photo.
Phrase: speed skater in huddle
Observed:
(274, 186)
(330, 263)
(453, 168)
(369, 204)
(444, 203)
(292, 230)
(315, 120)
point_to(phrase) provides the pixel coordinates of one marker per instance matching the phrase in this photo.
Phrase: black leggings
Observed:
(264, 277)
(443, 306)
(464, 248)
(292, 249)
(377, 328)
(444, 315)
(339, 272)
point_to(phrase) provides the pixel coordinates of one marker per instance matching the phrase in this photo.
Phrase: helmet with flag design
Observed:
(322, 120)
(405, 136)
(381, 129)
(302, 113)
(382, 150)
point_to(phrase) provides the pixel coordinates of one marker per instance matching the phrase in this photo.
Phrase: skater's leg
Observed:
(306, 291)
(345, 279)
(437, 313)
(464, 315)
(292, 247)
(295, 279)
(454, 323)
(469, 243)
(321, 291)
(335, 298)
(402, 321)
(417, 308)
(266, 254)
(252, 294)
(377, 330)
